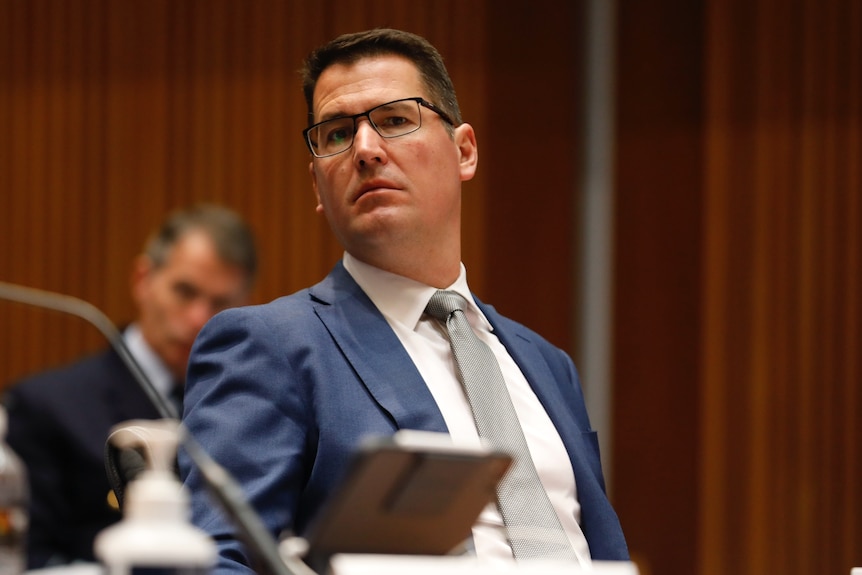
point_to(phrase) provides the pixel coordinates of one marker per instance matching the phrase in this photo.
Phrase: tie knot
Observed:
(443, 303)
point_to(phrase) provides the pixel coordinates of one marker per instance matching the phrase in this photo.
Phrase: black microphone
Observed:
(260, 543)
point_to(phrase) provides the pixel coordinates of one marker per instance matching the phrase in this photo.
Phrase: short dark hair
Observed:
(231, 236)
(350, 48)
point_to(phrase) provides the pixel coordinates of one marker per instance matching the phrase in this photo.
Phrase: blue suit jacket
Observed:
(281, 394)
(59, 421)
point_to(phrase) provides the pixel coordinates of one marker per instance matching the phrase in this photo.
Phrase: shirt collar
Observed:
(402, 299)
(154, 368)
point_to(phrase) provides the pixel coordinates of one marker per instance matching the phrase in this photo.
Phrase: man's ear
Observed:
(468, 151)
(319, 208)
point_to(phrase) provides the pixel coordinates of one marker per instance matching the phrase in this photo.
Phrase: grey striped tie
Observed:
(531, 523)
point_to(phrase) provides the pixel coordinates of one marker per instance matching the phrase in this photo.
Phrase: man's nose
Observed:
(367, 143)
(200, 312)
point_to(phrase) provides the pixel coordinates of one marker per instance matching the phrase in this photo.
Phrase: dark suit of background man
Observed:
(281, 394)
(200, 261)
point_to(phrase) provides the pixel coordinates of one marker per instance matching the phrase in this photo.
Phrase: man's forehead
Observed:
(350, 88)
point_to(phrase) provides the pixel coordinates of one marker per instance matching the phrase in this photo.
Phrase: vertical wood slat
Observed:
(713, 495)
(656, 293)
(534, 161)
(851, 531)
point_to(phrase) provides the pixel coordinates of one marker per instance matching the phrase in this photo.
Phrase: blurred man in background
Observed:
(198, 262)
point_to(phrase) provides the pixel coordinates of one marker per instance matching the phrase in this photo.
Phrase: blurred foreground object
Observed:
(13, 506)
(155, 532)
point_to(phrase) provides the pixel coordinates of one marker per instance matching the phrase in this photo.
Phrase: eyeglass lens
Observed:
(389, 120)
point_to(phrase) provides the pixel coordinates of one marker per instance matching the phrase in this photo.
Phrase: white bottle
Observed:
(155, 535)
(14, 499)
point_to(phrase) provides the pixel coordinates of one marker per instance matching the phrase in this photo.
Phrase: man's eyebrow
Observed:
(333, 115)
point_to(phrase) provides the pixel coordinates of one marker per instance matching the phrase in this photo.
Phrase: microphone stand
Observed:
(257, 538)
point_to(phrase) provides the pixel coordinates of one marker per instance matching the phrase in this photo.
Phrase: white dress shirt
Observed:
(151, 364)
(402, 302)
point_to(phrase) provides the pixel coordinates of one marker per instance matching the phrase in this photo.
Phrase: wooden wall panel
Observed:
(737, 314)
(534, 108)
(781, 300)
(49, 172)
(657, 277)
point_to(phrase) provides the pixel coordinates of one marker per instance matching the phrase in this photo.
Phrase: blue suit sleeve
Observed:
(244, 405)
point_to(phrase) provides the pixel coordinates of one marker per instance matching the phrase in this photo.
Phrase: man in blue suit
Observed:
(282, 394)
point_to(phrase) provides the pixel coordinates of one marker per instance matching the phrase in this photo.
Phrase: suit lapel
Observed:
(533, 365)
(375, 353)
(598, 519)
(518, 341)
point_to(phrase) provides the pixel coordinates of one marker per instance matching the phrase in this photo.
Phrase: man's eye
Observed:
(185, 291)
(338, 135)
(395, 121)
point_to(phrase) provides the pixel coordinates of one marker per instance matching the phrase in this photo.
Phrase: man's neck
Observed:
(425, 271)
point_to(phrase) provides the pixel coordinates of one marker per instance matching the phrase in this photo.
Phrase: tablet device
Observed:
(410, 493)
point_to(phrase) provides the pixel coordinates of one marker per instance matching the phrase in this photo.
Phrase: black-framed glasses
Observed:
(390, 120)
